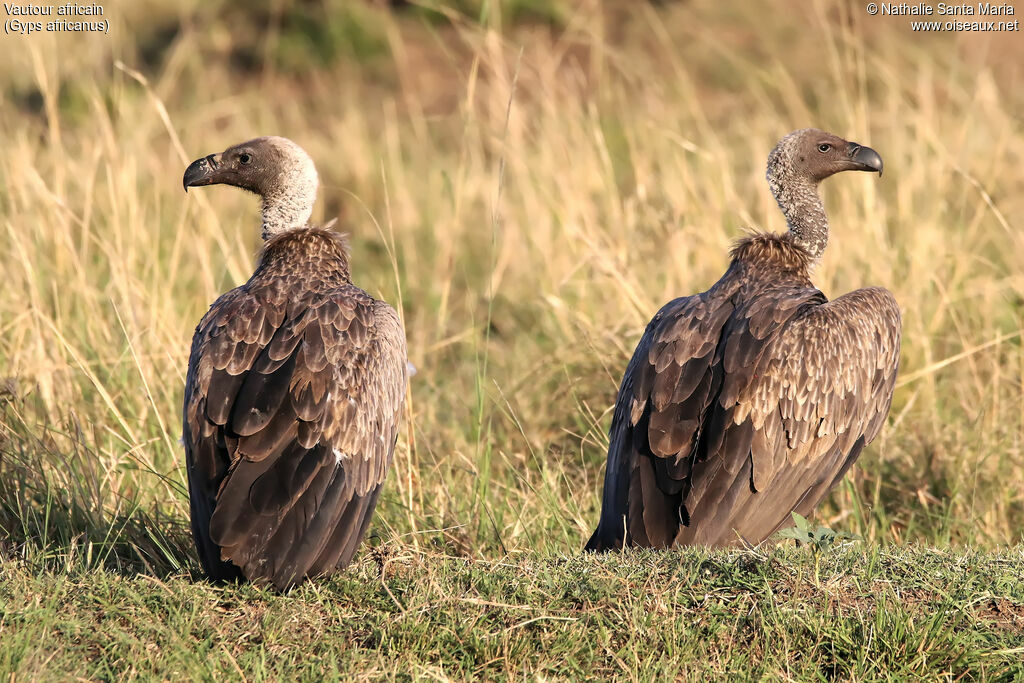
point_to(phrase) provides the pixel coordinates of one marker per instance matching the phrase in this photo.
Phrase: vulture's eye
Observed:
(244, 157)
(824, 147)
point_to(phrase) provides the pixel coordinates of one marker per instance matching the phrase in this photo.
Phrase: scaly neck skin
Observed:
(797, 196)
(805, 214)
(286, 211)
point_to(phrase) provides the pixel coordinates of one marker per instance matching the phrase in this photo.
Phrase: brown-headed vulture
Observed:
(294, 390)
(751, 400)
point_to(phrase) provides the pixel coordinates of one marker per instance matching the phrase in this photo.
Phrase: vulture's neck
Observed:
(801, 204)
(290, 205)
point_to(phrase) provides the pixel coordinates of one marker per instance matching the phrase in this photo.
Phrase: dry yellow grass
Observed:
(527, 198)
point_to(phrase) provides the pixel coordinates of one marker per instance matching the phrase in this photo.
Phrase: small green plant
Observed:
(818, 539)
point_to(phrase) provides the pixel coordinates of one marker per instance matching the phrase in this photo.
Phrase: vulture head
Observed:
(815, 155)
(275, 168)
(798, 163)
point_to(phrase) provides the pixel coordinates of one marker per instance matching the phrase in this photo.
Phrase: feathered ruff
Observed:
(773, 251)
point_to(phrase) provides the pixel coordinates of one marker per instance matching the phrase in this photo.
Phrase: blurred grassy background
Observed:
(527, 181)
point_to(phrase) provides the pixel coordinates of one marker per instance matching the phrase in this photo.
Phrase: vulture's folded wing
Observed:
(730, 418)
(291, 415)
(665, 392)
(791, 418)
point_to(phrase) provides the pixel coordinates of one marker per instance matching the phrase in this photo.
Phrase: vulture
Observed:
(294, 389)
(750, 401)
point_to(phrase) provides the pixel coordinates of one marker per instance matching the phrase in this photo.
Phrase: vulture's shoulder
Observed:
(257, 313)
(816, 390)
(834, 367)
(258, 345)
(697, 347)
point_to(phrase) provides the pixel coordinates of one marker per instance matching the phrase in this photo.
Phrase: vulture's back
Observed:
(745, 403)
(292, 405)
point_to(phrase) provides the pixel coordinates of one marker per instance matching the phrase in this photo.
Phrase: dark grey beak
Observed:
(200, 172)
(865, 158)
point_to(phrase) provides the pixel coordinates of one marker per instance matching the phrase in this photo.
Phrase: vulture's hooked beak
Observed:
(865, 158)
(200, 172)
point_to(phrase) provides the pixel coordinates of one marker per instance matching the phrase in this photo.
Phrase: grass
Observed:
(527, 234)
(892, 613)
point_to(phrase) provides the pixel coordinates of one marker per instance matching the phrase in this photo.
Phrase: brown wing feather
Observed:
(739, 407)
(819, 395)
(292, 407)
(656, 424)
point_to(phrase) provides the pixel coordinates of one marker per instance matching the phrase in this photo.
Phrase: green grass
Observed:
(526, 234)
(874, 614)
